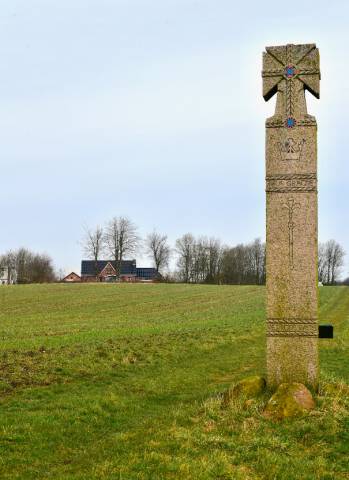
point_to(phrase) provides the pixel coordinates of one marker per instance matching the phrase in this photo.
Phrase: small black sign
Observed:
(326, 331)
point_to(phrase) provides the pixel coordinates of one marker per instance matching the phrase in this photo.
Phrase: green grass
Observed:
(123, 382)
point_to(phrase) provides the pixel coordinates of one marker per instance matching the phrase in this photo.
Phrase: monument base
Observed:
(292, 359)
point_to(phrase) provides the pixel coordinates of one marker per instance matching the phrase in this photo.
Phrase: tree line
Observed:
(206, 260)
(25, 266)
(198, 259)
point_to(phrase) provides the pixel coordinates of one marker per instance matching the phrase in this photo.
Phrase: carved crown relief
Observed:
(290, 149)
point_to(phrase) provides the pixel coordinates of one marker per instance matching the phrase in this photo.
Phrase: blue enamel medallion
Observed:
(290, 122)
(290, 71)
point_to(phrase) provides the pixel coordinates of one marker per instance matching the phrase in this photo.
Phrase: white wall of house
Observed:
(5, 277)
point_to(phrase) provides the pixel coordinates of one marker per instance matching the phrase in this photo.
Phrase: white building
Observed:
(6, 276)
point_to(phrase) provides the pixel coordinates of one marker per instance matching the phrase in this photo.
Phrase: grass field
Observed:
(123, 382)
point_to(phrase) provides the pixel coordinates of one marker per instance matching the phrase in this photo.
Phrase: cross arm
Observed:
(309, 71)
(272, 74)
(302, 60)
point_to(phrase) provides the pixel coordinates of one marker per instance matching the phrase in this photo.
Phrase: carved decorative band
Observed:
(307, 122)
(284, 183)
(273, 73)
(292, 327)
(314, 71)
(281, 72)
(278, 123)
(293, 334)
(292, 320)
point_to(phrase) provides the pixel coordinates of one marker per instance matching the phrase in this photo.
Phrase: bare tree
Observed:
(42, 270)
(244, 264)
(158, 249)
(121, 239)
(23, 263)
(331, 259)
(61, 273)
(337, 259)
(199, 259)
(236, 266)
(256, 254)
(214, 251)
(93, 244)
(207, 253)
(322, 263)
(185, 249)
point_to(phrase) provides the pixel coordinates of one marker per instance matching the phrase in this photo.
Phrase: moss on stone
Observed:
(248, 387)
(290, 400)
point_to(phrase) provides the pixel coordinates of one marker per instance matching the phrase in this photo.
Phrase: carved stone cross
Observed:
(291, 186)
(289, 71)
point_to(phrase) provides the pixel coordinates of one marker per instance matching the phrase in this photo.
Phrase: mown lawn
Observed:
(123, 382)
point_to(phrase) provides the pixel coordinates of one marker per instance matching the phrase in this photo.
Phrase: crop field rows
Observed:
(124, 382)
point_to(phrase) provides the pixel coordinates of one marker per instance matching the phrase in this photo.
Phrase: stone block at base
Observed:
(290, 400)
(248, 387)
(292, 359)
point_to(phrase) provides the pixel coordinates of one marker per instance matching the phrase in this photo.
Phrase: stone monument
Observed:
(291, 189)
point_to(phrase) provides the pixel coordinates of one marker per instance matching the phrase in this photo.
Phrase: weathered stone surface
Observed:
(247, 388)
(291, 188)
(290, 400)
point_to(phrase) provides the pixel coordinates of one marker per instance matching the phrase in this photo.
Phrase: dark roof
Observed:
(128, 267)
(147, 273)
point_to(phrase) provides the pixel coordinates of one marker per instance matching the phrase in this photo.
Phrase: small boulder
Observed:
(289, 400)
(247, 388)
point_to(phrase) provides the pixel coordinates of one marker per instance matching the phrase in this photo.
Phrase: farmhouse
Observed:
(71, 278)
(107, 271)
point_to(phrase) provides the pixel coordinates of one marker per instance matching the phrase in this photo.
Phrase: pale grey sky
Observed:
(153, 109)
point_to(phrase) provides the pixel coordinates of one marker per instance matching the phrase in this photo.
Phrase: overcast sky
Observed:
(153, 109)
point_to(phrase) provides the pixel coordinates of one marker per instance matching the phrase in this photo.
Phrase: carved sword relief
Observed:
(291, 206)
